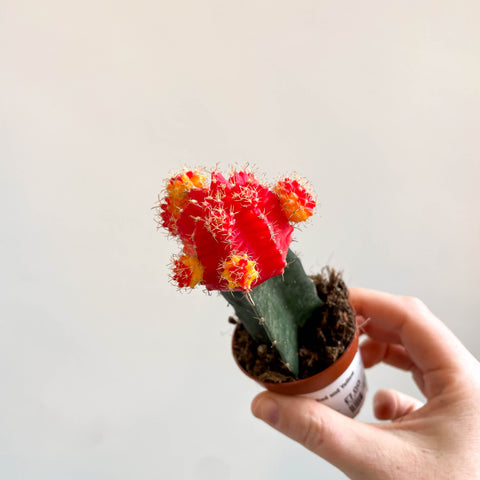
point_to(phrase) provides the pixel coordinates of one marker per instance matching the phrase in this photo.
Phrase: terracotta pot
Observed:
(341, 386)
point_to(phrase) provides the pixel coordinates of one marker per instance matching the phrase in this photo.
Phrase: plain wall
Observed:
(106, 372)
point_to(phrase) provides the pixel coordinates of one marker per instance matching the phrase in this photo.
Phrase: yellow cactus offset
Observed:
(297, 202)
(179, 186)
(178, 189)
(187, 271)
(240, 272)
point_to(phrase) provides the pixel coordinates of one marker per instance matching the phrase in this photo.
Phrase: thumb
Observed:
(391, 405)
(350, 445)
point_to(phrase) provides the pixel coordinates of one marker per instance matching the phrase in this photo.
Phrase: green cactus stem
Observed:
(274, 311)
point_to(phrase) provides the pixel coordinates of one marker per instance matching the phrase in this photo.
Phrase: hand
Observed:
(438, 440)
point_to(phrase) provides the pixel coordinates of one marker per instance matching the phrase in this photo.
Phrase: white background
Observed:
(106, 372)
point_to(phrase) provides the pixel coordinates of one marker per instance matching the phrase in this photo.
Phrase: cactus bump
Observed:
(235, 234)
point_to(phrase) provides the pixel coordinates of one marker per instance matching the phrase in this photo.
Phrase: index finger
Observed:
(428, 342)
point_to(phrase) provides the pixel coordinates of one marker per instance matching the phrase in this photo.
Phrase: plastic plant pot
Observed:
(341, 386)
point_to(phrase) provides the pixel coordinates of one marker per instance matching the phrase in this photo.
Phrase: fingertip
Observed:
(391, 405)
(265, 408)
(372, 352)
(357, 296)
(383, 407)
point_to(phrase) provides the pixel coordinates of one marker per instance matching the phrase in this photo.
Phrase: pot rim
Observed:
(315, 382)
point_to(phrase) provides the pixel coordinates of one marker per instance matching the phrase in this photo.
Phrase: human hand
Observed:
(438, 440)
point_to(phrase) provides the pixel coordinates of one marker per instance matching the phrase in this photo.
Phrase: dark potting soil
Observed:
(321, 341)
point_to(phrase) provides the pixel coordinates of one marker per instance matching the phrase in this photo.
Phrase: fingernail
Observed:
(266, 409)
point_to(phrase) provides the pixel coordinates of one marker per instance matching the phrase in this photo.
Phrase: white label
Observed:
(347, 393)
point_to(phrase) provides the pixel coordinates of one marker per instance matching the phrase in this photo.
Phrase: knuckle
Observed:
(312, 435)
(414, 303)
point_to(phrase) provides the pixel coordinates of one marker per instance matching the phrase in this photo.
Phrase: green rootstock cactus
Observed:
(235, 235)
(276, 309)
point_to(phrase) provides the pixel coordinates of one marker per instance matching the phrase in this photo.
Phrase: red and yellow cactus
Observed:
(235, 235)
(235, 232)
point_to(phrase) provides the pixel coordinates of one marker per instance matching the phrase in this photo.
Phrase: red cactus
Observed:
(237, 230)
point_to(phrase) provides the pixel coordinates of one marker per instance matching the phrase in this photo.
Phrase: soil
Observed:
(321, 341)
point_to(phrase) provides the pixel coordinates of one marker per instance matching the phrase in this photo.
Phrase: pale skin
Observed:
(436, 440)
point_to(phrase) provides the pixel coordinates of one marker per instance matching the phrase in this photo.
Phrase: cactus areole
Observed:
(235, 235)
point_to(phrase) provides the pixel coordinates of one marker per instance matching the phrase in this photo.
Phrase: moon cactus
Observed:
(235, 235)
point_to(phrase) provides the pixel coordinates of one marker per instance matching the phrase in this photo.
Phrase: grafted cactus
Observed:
(235, 235)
